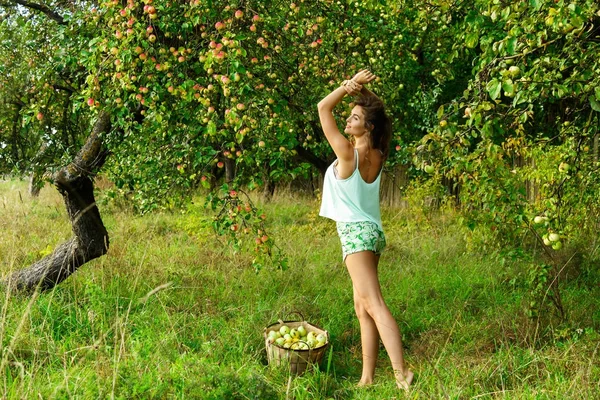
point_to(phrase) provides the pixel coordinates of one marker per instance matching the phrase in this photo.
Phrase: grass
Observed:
(173, 312)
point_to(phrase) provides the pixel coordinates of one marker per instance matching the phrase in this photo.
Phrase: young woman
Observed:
(351, 198)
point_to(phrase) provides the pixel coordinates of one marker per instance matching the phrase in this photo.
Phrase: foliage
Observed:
(521, 141)
(41, 125)
(238, 219)
(227, 90)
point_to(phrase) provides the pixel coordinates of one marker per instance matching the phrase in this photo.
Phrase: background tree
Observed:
(522, 139)
(183, 94)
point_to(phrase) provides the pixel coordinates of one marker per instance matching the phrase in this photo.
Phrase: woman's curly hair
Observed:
(375, 116)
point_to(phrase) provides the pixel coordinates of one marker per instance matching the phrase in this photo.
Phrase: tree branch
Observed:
(42, 8)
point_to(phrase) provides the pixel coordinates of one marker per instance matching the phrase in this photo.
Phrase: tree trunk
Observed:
(35, 184)
(15, 134)
(269, 189)
(90, 238)
(229, 170)
(36, 179)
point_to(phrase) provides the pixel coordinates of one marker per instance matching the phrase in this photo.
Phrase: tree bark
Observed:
(36, 179)
(90, 237)
(42, 8)
(35, 185)
(229, 170)
(15, 134)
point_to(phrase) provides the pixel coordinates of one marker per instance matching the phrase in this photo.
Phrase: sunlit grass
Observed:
(174, 312)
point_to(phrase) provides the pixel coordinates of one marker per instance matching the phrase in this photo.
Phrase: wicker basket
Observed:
(298, 361)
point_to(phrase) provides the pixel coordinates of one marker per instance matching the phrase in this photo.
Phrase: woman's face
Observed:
(355, 123)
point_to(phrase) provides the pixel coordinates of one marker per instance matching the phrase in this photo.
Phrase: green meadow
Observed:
(174, 312)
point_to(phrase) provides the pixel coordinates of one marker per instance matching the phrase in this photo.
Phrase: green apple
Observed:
(311, 336)
(514, 70)
(553, 237)
(429, 169)
(284, 329)
(557, 245)
(302, 330)
(299, 346)
(280, 341)
(294, 333)
(564, 167)
(321, 338)
(272, 336)
(538, 220)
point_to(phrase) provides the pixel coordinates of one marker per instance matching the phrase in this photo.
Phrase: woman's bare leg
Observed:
(369, 338)
(362, 268)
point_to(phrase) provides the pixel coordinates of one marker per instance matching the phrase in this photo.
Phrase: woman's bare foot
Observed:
(364, 382)
(404, 380)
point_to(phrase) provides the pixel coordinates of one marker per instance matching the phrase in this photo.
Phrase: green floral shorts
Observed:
(360, 236)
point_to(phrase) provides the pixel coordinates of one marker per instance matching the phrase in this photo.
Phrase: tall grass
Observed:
(173, 312)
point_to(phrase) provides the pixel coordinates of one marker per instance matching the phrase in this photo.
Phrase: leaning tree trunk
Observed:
(90, 238)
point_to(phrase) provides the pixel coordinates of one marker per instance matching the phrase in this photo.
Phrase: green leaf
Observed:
(597, 90)
(508, 86)
(472, 39)
(511, 46)
(520, 98)
(535, 4)
(211, 128)
(440, 112)
(494, 88)
(595, 104)
(523, 117)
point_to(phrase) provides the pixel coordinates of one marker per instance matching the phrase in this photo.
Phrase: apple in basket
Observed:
(296, 338)
(273, 336)
(321, 339)
(302, 330)
(284, 329)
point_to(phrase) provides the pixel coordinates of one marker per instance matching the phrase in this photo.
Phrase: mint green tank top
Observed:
(351, 199)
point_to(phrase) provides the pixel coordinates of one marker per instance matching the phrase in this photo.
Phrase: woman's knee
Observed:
(359, 308)
(369, 306)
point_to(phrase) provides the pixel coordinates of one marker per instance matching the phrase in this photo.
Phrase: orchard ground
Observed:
(104, 333)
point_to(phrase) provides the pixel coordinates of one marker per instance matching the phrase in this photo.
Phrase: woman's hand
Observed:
(364, 76)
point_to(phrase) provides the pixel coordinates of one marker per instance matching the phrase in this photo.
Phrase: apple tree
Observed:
(179, 95)
(522, 140)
